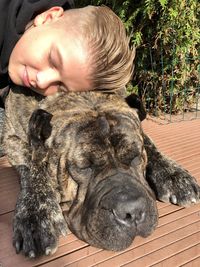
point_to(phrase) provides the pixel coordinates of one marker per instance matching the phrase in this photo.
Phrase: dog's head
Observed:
(96, 141)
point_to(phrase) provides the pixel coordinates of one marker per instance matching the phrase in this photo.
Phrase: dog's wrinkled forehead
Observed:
(109, 133)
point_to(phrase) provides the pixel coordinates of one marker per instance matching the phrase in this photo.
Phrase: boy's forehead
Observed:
(77, 16)
(69, 23)
(71, 14)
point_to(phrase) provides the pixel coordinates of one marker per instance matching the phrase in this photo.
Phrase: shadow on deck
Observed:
(176, 241)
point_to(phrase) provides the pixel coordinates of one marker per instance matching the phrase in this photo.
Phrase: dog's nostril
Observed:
(140, 217)
(128, 216)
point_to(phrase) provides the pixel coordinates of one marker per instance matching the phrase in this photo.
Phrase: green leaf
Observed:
(163, 3)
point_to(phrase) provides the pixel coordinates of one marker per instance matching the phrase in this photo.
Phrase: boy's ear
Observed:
(48, 16)
(134, 101)
(39, 128)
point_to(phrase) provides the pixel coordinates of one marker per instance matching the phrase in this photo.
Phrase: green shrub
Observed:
(166, 34)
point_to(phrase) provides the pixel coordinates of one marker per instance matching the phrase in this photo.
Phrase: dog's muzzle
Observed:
(118, 209)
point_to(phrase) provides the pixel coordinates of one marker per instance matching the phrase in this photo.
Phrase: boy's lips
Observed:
(25, 78)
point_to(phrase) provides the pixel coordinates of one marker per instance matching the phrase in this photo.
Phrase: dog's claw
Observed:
(17, 247)
(193, 200)
(31, 254)
(173, 199)
(48, 251)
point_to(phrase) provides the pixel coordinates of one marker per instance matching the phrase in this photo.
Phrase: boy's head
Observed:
(74, 50)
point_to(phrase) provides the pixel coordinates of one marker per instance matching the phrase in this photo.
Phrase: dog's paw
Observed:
(180, 188)
(37, 226)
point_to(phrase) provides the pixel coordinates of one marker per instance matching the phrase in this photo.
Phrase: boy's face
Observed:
(48, 56)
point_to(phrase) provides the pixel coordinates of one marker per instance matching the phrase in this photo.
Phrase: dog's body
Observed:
(86, 152)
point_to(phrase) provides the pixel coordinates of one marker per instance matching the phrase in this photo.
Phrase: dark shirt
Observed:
(15, 15)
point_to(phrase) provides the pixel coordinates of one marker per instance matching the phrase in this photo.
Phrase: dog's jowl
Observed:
(82, 165)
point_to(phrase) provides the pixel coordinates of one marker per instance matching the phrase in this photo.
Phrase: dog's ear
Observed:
(134, 101)
(39, 128)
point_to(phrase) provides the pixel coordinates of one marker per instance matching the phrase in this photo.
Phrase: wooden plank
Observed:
(182, 213)
(193, 263)
(178, 259)
(178, 141)
(169, 209)
(9, 188)
(165, 139)
(4, 162)
(172, 249)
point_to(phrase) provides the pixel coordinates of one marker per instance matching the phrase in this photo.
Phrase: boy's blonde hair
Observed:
(110, 57)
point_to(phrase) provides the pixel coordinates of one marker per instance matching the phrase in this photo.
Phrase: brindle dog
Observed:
(86, 153)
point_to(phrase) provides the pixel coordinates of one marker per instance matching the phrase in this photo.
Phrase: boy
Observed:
(73, 50)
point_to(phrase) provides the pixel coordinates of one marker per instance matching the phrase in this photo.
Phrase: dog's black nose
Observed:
(129, 209)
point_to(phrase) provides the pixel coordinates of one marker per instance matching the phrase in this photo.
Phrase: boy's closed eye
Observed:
(55, 58)
(51, 60)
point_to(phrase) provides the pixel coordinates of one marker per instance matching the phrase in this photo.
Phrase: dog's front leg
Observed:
(170, 182)
(38, 219)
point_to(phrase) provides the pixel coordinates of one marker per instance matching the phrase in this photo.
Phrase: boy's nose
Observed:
(46, 78)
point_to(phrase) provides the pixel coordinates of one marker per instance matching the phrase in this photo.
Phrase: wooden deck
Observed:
(176, 241)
